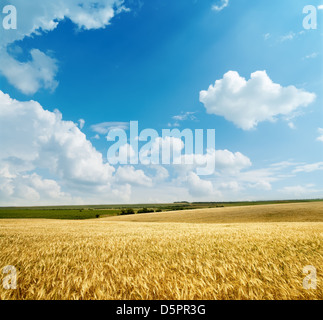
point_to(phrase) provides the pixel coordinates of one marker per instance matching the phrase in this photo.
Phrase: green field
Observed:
(101, 211)
(50, 213)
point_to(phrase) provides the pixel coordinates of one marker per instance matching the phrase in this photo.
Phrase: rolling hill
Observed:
(295, 212)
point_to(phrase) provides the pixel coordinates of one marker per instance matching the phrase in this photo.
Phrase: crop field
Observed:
(244, 253)
(99, 211)
(296, 212)
(45, 213)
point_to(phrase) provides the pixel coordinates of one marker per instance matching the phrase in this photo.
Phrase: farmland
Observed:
(99, 211)
(54, 213)
(296, 212)
(253, 252)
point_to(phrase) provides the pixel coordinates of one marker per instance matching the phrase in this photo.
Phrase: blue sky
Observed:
(148, 61)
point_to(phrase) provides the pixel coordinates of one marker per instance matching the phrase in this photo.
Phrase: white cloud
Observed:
(258, 179)
(267, 36)
(128, 174)
(44, 15)
(291, 125)
(228, 167)
(320, 138)
(82, 123)
(126, 154)
(170, 150)
(228, 185)
(173, 125)
(105, 127)
(247, 103)
(32, 189)
(230, 180)
(227, 161)
(161, 173)
(161, 149)
(34, 139)
(185, 116)
(312, 55)
(288, 36)
(96, 137)
(39, 16)
(222, 4)
(223, 161)
(231, 186)
(285, 164)
(291, 36)
(30, 76)
(299, 191)
(198, 187)
(318, 166)
(184, 176)
(45, 160)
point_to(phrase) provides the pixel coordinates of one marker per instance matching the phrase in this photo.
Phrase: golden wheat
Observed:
(290, 212)
(124, 260)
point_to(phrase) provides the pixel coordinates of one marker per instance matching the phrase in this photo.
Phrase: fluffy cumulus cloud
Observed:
(164, 150)
(199, 187)
(223, 161)
(46, 160)
(249, 102)
(31, 189)
(231, 180)
(183, 171)
(128, 174)
(34, 140)
(44, 16)
(206, 175)
(42, 139)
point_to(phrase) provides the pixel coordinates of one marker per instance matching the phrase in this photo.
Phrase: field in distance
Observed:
(100, 211)
(291, 212)
(55, 213)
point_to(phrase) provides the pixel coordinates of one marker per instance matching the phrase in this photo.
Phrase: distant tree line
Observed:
(130, 211)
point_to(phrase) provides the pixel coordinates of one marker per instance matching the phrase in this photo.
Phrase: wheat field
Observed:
(290, 212)
(102, 259)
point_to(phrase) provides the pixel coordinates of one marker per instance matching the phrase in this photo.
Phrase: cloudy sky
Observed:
(73, 71)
